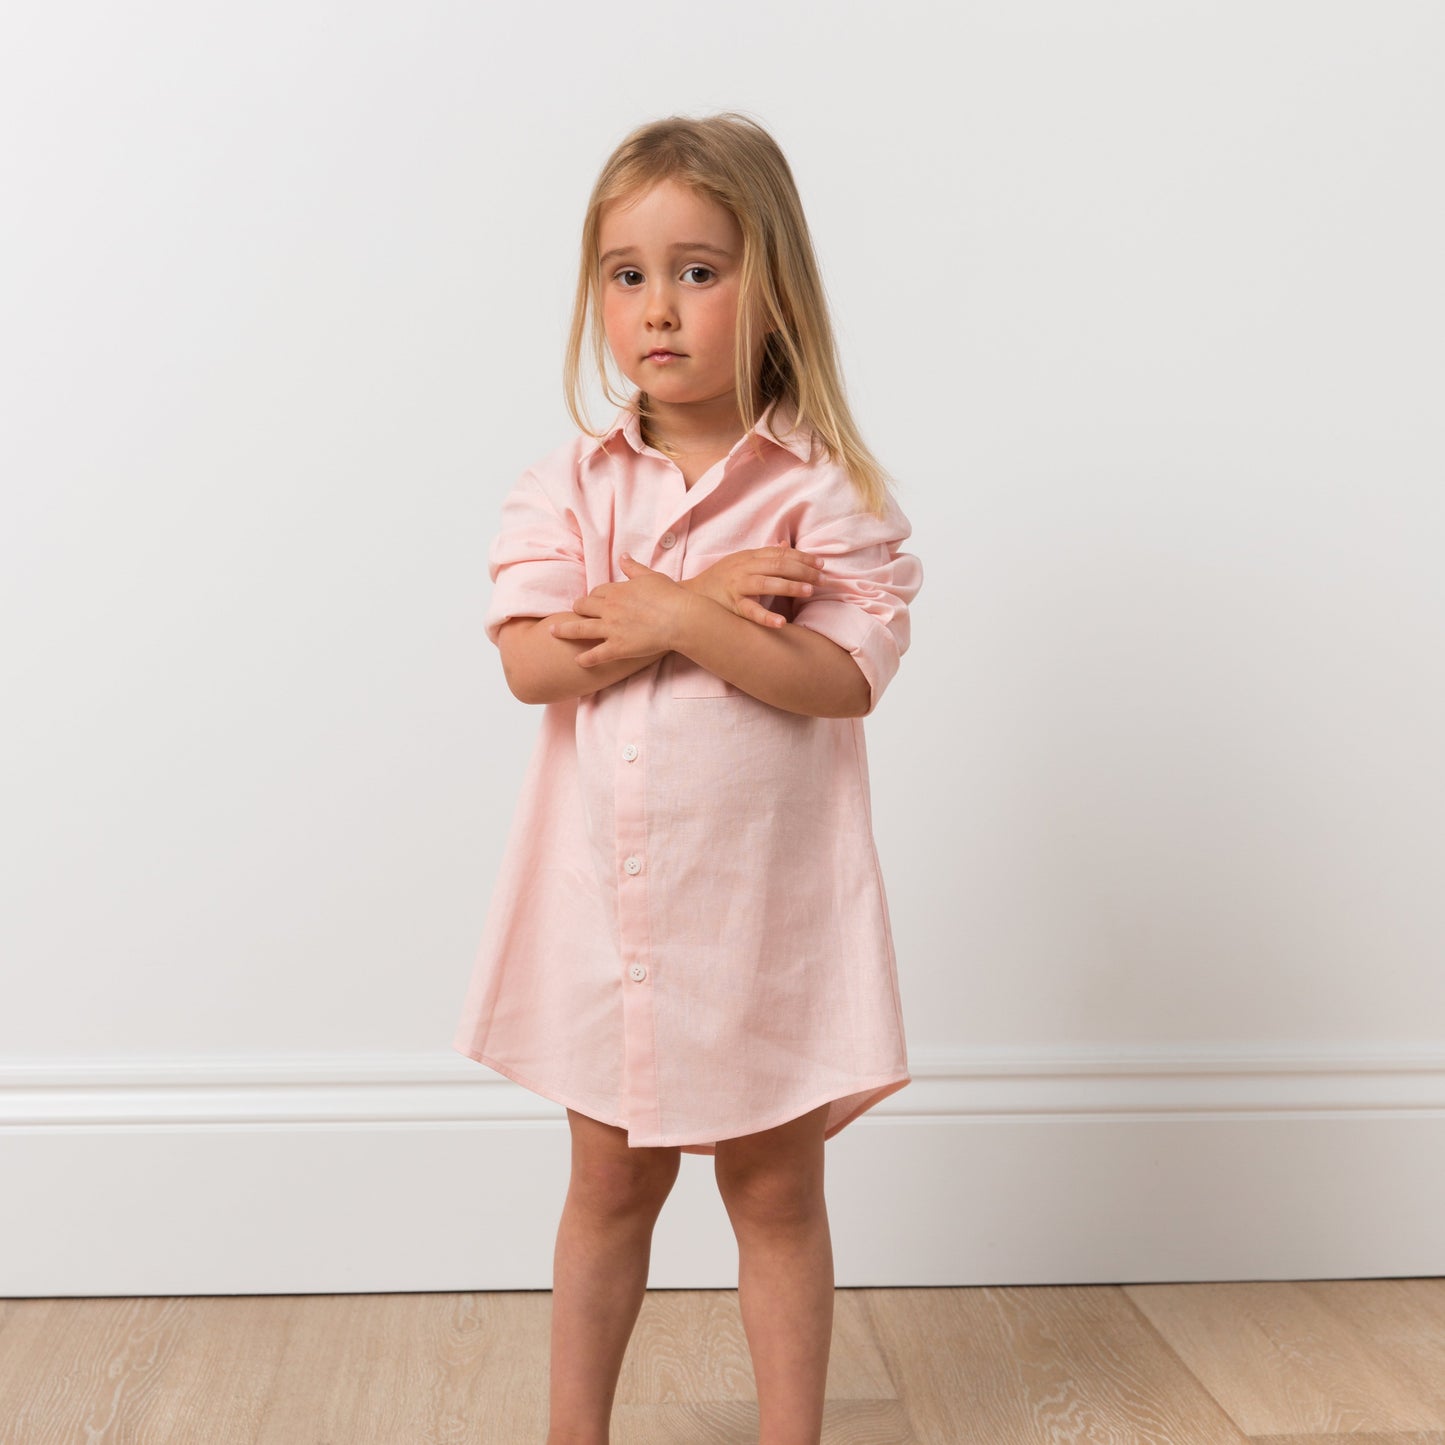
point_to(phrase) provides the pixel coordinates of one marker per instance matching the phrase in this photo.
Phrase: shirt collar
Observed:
(777, 424)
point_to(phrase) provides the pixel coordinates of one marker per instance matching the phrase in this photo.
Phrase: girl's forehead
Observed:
(657, 206)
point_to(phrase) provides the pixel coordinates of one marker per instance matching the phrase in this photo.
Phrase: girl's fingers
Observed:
(758, 583)
(756, 612)
(578, 630)
(802, 562)
(809, 559)
(789, 556)
(788, 587)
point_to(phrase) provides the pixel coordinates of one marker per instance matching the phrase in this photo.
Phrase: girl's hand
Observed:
(734, 580)
(635, 618)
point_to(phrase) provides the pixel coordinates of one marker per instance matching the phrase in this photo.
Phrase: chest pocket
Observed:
(689, 680)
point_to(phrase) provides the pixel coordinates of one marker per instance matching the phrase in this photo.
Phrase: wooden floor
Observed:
(1361, 1361)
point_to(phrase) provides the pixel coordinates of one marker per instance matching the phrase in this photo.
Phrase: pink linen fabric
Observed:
(689, 935)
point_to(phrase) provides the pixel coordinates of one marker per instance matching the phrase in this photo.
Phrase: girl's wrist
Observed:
(686, 616)
(695, 586)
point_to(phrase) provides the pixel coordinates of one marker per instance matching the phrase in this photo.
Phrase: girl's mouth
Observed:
(664, 356)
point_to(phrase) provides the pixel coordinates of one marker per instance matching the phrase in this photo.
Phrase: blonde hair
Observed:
(729, 158)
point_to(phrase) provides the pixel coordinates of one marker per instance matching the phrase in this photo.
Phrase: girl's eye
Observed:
(621, 275)
(706, 270)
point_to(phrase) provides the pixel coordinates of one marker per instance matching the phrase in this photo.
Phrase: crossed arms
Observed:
(621, 627)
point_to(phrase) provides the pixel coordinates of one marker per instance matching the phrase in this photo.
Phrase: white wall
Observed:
(1141, 303)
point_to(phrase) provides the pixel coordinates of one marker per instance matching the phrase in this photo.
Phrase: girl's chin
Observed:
(673, 391)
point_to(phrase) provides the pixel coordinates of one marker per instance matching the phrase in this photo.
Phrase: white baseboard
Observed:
(430, 1173)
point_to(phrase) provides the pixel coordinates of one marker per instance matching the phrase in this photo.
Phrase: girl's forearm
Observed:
(789, 667)
(793, 668)
(543, 668)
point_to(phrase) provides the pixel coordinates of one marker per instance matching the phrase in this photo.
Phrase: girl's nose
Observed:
(660, 308)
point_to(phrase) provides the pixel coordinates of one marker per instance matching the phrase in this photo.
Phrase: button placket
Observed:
(641, 1106)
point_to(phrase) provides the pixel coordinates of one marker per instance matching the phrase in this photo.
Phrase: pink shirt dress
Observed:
(689, 936)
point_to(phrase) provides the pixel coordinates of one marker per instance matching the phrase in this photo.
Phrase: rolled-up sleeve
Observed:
(861, 601)
(536, 561)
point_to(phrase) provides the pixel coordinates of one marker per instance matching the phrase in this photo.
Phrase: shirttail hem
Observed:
(876, 1095)
(866, 1094)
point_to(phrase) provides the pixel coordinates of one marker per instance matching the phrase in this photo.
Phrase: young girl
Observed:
(689, 944)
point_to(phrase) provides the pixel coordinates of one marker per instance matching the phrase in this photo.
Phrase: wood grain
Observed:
(1039, 1364)
(1271, 1363)
(1322, 1358)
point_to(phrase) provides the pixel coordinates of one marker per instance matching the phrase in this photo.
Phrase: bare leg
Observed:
(604, 1244)
(772, 1186)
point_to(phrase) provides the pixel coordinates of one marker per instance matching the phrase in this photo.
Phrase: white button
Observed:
(668, 539)
(633, 865)
(630, 751)
(637, 972)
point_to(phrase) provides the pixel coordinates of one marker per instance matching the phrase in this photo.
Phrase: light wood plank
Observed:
(1281, 1360)
(845, 1422)
(1404, 1319)
(219, 1376)
(1392, 1437)
(151, 1368)
(989, 1366)
(371, 1369)
(690, 1345)
(1005, 1365)
(856, 1367)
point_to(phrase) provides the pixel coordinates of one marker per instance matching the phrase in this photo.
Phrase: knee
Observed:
(780, 1197)
(618, 1185)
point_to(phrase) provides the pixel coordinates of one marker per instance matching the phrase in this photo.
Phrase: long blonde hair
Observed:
(729, 158)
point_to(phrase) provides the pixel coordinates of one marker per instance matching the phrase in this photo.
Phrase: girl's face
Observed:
(670, 272)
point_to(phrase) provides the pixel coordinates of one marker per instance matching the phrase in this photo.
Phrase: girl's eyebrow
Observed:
(677, 246)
